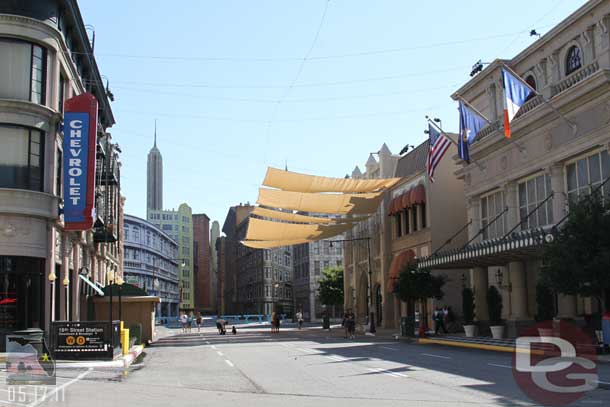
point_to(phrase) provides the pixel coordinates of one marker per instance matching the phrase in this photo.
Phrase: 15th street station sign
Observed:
(80, 131)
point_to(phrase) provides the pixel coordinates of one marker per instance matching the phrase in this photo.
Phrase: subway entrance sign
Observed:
(85, 340)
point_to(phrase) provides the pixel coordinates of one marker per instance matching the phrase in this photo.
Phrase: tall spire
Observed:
(155, 133)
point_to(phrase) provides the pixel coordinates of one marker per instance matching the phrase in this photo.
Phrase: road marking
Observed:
(600, 382)
(387, 372)
(214, 347)
(436, 356)
(337, 358)
(220, 353)
(308, 350)
(62, 387)
(229, 363)
(504, 366)
(388, 348)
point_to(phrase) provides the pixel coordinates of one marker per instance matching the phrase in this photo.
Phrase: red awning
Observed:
(392, 207)
(418, 195)
(406, 200)
(399, 261)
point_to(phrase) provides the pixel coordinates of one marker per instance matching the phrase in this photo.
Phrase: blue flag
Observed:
(470, 124)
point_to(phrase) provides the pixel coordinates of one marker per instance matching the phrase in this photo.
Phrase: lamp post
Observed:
(369, 304)
(120, 282)
(110, 279)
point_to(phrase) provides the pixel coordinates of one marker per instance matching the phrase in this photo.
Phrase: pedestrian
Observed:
(234, 331)
(300, 319)
(326, 320)
(198, 321)
(277, 322)
(273, 319)
(350, 322)
(189, 324)
(438, 318)
(184, 320)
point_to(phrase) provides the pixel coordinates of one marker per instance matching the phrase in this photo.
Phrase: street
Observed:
(297, 368)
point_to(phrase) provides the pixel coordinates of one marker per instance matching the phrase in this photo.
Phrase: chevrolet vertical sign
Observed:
(80, 132)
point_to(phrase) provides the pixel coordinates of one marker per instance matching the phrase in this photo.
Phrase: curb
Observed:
(494, 348)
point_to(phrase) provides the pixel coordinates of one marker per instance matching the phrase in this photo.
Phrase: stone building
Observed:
(202, 273)
(47, 272)
(151, 262)
(527, 183)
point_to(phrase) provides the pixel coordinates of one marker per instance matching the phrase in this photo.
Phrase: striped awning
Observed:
(398, 263)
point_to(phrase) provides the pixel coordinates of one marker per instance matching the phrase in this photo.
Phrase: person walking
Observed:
(184, 320)
(277, 322)
(198, 321)
(439, 322)
(300, 319)
(273, 319)
(350, 322)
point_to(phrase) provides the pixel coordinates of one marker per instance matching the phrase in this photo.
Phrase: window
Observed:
(316, 267)
(587, 173)
(326, 264)
(530, 80)
(406, 221)
(23, 66)
(531, 193)
(58, 171)
(414, 217)
(316, 248)
(326, 248)
(491, 206)
(21, 156)
(423, 215)
(573, 60)
(61, 96)
(339, 263)
(398, 221)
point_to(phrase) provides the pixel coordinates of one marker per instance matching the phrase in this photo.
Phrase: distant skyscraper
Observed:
(154, 178)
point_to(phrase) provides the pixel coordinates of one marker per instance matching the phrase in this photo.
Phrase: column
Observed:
(74, 294)
(517, 278)
(479, 279)
(59, 283)
(566, 304)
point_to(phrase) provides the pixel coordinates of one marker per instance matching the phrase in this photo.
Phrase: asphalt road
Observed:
(297, 368)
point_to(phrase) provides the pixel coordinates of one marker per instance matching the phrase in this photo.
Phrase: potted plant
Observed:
(494, 302)
(468, 307)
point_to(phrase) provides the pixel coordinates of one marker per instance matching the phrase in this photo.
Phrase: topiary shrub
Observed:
(468, 305)
(494, 302)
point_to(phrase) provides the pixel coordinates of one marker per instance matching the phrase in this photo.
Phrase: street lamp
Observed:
(110, 279)
(120, 282)
(369, 304)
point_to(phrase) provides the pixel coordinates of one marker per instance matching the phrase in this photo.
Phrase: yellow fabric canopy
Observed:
(340, 204)
(295, 217)
(270, 244)
(295, 182)
(259, 229)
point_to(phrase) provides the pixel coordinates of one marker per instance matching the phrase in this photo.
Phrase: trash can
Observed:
(407, 326)
(34, 336)
(606, 328)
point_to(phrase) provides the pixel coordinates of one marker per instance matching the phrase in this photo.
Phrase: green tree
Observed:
(330, 292)
(577, 261)
(418, 285)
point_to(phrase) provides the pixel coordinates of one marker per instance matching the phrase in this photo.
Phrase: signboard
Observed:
(79, 146)
(85, 340)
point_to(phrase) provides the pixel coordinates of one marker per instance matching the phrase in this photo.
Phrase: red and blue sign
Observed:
(80, 133)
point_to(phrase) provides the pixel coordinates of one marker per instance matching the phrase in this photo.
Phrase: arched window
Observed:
(573, 60)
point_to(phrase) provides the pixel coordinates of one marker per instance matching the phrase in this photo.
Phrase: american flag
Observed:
(439, 144)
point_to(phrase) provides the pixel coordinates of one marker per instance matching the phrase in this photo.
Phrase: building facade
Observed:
(202, 275)
(255, 281)
(154, 178)
(524, 186)
(365, 252)
(424, 217)
(151, 262)
(214, 294)
(309, 260)
(45, 59)
(179, 226)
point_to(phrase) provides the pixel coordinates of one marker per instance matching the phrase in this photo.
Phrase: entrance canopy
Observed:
(298, 208)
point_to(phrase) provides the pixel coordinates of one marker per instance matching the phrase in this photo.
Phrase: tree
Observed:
(419, 284)
(468, 305)
(330, 292)
(578, 259)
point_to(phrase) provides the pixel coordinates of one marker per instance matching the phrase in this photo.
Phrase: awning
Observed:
(295, 182)
(398, 263)
(339, 204)
(260, 229)
(520, 246)
(417, 195)
(271, 244)
(295, 217)
(405, 200)
(92, 285)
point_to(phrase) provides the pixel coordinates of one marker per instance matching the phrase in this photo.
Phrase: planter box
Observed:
(497, 331)
(470, 330)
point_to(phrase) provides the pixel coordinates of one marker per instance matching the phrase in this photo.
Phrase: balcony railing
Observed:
(576, 77)
(105, 233)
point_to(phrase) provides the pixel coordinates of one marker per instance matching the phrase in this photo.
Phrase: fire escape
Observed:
(107, 187)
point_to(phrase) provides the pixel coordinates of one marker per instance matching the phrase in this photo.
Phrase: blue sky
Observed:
(217, 76)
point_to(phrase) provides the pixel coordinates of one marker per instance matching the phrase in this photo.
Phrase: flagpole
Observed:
(453, 141)
(545, 100)
(473, 108)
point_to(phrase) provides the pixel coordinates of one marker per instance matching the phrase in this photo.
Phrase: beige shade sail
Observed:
(259, 229)
(339, 204)
(295, 182)
(270, 244)
(295, 217)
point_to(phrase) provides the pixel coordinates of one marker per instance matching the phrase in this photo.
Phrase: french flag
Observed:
(516, 93)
